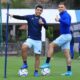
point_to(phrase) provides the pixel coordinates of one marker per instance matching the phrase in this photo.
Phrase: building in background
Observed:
(71, 4)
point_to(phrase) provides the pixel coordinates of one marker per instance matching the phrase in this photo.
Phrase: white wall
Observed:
(48, 14)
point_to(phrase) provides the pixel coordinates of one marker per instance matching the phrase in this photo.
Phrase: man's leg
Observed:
(50, 52)
(24, 55)
(57, 42)
(68, 61)
(37, 63)
(49, 55)
(37, 46)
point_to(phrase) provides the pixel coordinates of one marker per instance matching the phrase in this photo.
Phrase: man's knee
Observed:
(37, 56)
(67, 54)
(24, 47)
(51, 45)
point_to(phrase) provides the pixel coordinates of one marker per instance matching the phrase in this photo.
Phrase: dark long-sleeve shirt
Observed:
(34, 28)
(65, 22)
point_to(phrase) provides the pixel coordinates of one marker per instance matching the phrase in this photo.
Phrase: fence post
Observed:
(0, 28)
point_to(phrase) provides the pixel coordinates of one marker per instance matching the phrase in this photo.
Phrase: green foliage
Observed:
(18, 4)
(23, 35)
(15, 4)
(4, 5)
(49, 33)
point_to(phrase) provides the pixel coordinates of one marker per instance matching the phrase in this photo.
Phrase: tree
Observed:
(18, 4)
(15, 4)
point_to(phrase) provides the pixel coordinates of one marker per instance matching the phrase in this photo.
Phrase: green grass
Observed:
(58, 66)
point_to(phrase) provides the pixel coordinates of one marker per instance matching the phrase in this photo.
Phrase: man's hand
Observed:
(57, 19)
(40, 21)
(10, 15)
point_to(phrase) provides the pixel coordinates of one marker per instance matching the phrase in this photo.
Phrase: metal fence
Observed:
(15, 49)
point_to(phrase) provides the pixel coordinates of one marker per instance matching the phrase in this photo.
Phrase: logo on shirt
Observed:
(32, 18)
(36, 17)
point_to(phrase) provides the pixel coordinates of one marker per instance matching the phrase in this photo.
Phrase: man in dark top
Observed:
(35, 24)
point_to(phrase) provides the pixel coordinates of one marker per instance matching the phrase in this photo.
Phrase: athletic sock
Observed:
(25, 62)
(36, 70)
(68, 68)
(48, 59)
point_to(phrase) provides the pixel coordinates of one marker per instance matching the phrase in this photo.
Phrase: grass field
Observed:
(58, 67)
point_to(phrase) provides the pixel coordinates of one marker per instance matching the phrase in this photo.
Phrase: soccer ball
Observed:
(45, 71)
(23, 72)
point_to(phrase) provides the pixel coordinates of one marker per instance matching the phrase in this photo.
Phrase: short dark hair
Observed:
(39, 6)
(62, 3)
